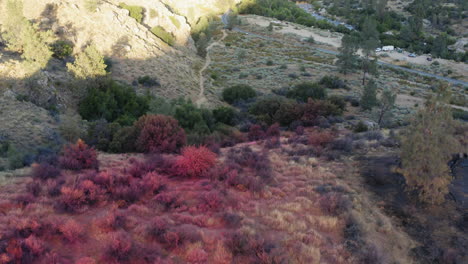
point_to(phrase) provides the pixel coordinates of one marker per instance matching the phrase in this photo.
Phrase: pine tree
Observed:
(347, 58)
(24, 37)
(387, 103)
(369, 42)
(88, 64)
(427, 146)
(369, 96)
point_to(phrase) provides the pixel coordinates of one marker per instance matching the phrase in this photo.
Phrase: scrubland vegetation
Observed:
(299, 156)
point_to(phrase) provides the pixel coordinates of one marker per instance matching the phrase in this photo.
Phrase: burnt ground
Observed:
(440, 230)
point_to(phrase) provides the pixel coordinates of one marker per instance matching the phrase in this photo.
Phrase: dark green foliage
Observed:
(306, 90)
(347, 59)
(282, 10)
(135, 11)
(369, 96)
(276, 109)
(333, 82)
(113, 102)
(148, 81)
(360, 127)
(62, 49)
(238, 92)
(165, 36)
(460, 114)
(339, 101)
(225, 115)
(123, 140)
(193, 119)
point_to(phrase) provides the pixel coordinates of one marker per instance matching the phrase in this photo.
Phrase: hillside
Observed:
(232, 132)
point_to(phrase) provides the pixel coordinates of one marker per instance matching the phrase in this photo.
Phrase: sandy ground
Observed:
(333, 40)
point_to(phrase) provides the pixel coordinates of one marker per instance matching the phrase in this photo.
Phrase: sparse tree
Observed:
(347, 58)
(387, 103)
(369, 42)
(232, 21)
(88, 64)
(369, 96)
(427, 146)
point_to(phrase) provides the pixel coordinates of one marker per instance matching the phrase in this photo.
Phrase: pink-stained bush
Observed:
(197, 256)
(152, 183)
(91, 191)
(320, 139)
(331, 203)
(78, 156)
(211, 200)
(158, 227)
(44, 171)
(119, 248)
(71, 230)
(34, 188)
(34, 245)
(71, 200)
(167, 199)
(194, 161)
(113, 220)
(85, 260)
(273, 130)
(159, 133)
(299, 130)
(256, 133)
(172, 240)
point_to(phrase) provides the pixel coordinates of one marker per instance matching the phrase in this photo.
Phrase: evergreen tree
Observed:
(369, 96)
(24, 37)
(369, 42)
(347, 58)
(387, 103)
(427, 146)
(439, 48)
(88, 64)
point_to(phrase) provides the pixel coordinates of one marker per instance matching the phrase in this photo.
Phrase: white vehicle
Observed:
(388, 48)
(378, 50)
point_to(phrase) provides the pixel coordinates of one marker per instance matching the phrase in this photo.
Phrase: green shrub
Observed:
(332, 82)
(224, 115)
(269, 63)
(360, 127)
(92, 5)
(276, 109)
(136, 12)
(165, 36)
(88, 64)
(62, 49)
(238, 92)
(194, 119)
(460, 114)
(175, 21)
(306, 90)
(148, 81)
(113, 102)
(339, 101)
(153, 13)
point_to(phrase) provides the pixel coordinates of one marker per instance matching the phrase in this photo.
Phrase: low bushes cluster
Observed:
(237, 93)
(113, 102)
(165, 36)
(194, 161)
(136, 12)
(158, 133)
(77, 157)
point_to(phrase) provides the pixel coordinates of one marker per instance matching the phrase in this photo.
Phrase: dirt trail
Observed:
(408, 101)
(201, 97)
